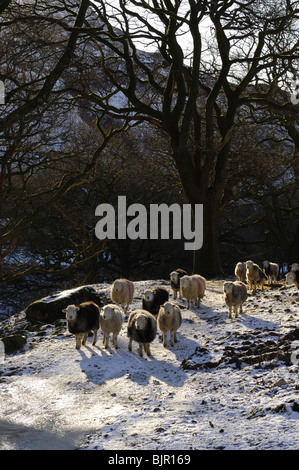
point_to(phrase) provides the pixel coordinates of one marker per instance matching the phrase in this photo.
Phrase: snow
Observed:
(185, 397)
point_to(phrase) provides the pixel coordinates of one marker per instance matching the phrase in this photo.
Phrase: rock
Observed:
(49, 309)
(13, 343)
(280, 383)
(295, 406)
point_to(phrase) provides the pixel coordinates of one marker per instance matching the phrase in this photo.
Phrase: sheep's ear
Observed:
(64, 310)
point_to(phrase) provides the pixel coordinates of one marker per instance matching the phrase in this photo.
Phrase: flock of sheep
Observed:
(157, 311)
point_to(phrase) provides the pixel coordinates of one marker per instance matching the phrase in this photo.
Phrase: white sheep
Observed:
(293, 278)
(110, 322)
(240, 271)
(81, 319)
(142, 328)
(295, 267)
(169, 319)
(254, 275)
(193, 288)
(271, 270)
(122, 292)
(235, 294)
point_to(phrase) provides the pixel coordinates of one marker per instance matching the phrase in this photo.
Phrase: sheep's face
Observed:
(107, 312)
(290, 278)
(117, 286)
(266, 264)
(185, 280)
(71, 312)
(249, 264)
(174, 277)
(148, 295)
(168, 308)
(228, 287)
(241, 266)
(140, 322)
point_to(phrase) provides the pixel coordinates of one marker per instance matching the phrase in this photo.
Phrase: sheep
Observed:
(152, 299)
(294, 267)
(254, 275)
(122, 292)
(175, 281)
(142, 328)
(193, 288)
(293, 278)
(169, 319)
(81, 319)
(235, 294)
(271, 270)
(110, 322)
(240, 271)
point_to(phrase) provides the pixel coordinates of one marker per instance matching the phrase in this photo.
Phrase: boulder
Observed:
(49, 309)
(13, 343)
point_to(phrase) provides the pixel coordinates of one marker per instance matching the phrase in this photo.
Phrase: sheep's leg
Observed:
(84, 337)
(174, 294)
(130, 344)
(174, 337)
(95, 333)
(140, 350)
(172, 334)
(106, 340)
(78, 341)
(164, 339)
(147, 349)
(236, 311)
(229, 312)
(114, 340)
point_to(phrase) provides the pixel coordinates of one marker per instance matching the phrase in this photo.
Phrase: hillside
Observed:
(226, 384)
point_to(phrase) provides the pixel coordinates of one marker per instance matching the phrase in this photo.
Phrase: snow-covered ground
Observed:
(224, 385)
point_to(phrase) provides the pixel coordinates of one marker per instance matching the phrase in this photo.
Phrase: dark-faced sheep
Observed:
(169, 319)
(81, 319)
(235, 294)
(110, 322)
(254, 275)
(240, 271)
(152, 299)
(122, 292)
(193, 288)
(142, 328)
(293, 278)
(271, 270)
(175, 277)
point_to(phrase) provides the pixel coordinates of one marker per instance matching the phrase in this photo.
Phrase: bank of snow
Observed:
(196, 395)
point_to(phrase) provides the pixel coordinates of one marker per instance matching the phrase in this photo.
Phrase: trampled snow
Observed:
(195, 395)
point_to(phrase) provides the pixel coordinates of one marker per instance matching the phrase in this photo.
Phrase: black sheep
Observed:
(152, 299)
(175, 277)
(142, 328)
(81, 319)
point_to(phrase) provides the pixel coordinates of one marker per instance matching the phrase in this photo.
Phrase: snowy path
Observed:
(56, 397)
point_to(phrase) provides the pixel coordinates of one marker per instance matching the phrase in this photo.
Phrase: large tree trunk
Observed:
(206, 261)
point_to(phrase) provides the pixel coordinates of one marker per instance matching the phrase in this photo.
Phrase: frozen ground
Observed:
(226, 384)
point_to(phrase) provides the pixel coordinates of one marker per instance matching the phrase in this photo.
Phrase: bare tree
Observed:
(192, 96)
